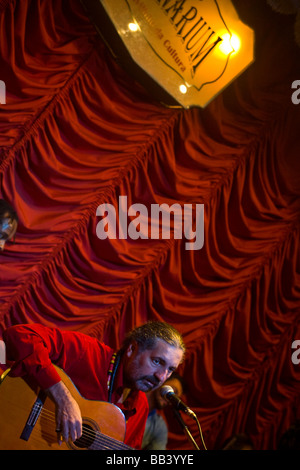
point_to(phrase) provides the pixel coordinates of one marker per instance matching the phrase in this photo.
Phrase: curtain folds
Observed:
(77, 133)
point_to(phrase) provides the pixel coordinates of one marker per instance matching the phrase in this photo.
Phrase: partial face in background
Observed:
(148, 369)
(8, 228)
(159, 401)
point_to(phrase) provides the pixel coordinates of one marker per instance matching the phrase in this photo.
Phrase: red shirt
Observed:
(32, 350)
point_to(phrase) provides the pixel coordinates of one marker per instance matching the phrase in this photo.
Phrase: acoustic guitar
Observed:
(27, 419)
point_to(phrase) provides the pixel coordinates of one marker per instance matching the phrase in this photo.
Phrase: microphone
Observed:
(168, 393)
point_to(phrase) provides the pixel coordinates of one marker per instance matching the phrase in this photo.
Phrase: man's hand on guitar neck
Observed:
(68, 415)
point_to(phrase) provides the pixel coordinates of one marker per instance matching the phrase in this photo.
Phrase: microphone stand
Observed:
(185, 428)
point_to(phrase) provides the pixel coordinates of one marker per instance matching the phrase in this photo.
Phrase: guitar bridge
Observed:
(33, 415)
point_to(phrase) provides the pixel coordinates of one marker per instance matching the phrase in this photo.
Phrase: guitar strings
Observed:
(88, 436)
(91, 435)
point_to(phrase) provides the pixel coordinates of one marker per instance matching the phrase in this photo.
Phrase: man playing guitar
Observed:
(148, 356)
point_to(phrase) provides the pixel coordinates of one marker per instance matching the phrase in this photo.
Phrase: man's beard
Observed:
(146, 383)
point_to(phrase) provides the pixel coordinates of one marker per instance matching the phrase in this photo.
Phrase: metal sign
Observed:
(192, 48)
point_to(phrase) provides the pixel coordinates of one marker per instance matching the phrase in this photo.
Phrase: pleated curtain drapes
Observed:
(77, 132)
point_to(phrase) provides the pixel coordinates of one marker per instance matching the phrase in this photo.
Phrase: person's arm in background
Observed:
(156, 434)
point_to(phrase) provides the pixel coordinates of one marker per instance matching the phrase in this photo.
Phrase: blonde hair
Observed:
(146, 336)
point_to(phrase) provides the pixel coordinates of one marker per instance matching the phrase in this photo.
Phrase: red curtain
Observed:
(76, 132)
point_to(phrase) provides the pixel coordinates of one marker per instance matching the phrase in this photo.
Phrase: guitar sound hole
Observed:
(87, 438)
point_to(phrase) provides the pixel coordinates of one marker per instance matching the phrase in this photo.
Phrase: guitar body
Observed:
(27, 411)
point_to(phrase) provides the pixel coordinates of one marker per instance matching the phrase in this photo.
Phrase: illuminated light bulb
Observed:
(230, 44)
(133, 27)
(183, 89)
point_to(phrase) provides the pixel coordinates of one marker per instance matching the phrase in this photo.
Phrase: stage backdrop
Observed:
(77, 132)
